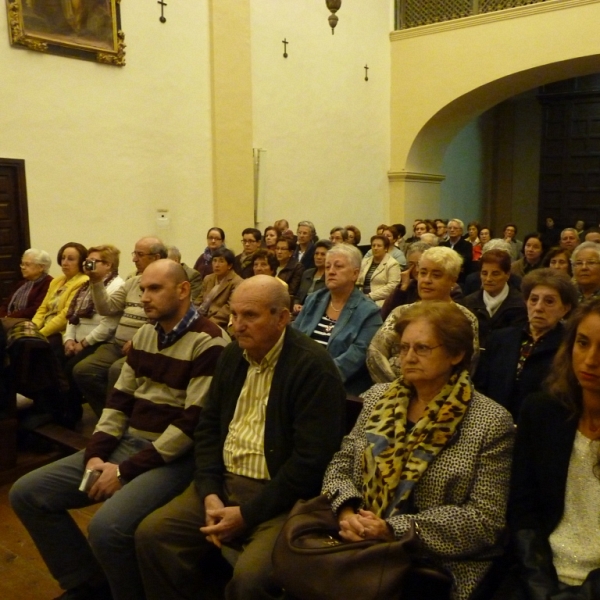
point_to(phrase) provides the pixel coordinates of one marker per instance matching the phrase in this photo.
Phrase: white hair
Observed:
(39, 257)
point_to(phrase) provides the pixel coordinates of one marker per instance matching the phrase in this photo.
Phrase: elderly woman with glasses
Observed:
(437, 274)
(215, 239)
(585, 261)
(428, 449)
(28, 294)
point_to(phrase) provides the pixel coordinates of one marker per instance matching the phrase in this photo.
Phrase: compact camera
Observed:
(89, 479)
(89, 265)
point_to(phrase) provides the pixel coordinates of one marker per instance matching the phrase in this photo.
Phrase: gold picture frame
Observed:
(85, 29)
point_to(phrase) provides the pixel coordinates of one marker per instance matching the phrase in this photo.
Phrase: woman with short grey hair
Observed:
(585, 261)
(28, 294)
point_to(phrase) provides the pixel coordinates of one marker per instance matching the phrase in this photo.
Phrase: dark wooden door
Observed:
(570, 155)
(14, 222)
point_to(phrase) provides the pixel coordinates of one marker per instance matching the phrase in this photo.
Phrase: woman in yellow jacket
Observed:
(51, 316)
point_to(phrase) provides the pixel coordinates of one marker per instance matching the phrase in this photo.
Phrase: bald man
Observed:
(273, 420)
(97, 374)
(140, 450)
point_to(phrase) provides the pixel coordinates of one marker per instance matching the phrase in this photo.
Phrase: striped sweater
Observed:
(159, 396)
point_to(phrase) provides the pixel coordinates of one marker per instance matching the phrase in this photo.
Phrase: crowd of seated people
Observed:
(449, 335)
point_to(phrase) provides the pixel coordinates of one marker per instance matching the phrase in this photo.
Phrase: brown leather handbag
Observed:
(311, 561)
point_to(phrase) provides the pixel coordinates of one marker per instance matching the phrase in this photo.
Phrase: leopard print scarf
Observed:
(394, 459)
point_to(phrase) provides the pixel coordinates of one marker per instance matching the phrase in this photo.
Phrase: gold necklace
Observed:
(333, 307)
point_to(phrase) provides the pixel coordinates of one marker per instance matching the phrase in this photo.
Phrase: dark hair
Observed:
(291, 243)
(498, 257)
(489, 229)
(81, 250)
(253, 232)
(271, 228)
(323, 244)
(557, 280)
(451, 327)
(538, 236)
(400, 228)
(393, 230)
(513, 225)
(158, 248)
(555, 251)
(356, 232)
(475, 224)
(386, 242)
(221, 232)
(225, 253)
(264, 254)
(562, 382)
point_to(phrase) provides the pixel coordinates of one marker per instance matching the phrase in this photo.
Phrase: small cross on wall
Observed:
(162, 17)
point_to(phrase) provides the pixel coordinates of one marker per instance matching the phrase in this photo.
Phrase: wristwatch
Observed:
(120, 477)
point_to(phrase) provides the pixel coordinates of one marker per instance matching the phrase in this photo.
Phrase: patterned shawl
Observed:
(82, 305)
(19, 298)
(394, 459)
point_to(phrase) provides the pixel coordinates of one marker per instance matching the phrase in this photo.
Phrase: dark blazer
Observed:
(291, 274)
(303, 428)
(545, 437)
(308, 258)
(305, 283)
(465, 249)
(496, 372)
(243, 269)
(511, 313)
(34, 299)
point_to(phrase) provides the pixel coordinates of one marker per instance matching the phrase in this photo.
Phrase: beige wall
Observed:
(323, 129)
(105, 147)
(445, 75)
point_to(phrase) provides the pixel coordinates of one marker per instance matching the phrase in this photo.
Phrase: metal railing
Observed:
(414, 13)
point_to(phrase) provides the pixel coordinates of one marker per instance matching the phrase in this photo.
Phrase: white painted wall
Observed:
(324, 130)
(105, 146)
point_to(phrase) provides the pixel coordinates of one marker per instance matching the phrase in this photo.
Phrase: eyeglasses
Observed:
(141, 254)
(585, 263)
(418, 349)
(213, 239)
(27, 264)
(246, 242)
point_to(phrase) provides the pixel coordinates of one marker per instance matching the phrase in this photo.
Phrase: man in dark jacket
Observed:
(460, 245)
(274, 418)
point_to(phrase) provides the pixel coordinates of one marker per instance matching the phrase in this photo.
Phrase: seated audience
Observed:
(496, 305)
(247, 478)
(441, 229)
(86, 329)
(28, 294)
(533, 254)
(141, 447)
(338, 235)
(592, 235)
(391, 233)
(419, 228)
(215, 239)
(428, 448)
(251, 242)
(585, 261)
(51, 316)
(312, 279)
(97, 374)
(270, 237)
(473, 237)
(550, 233)
(282, 226)
(401, 242)
(516, 360)
(379, 273)
(305, 245)
(569, 239)
(510, 236)
(559, 259)
(461, 246)
(265, 262)
(485, 235)
(289, 269)
(354, 235)
(436, 277)
(193, 276)
(406, 291)
(213, 302)
(341, 317)
(555, 493)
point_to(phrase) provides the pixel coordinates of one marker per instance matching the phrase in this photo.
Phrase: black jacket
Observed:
(511, 313)
(496, 372)
(304, 425)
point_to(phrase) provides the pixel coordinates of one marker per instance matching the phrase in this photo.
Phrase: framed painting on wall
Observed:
(87, 29)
